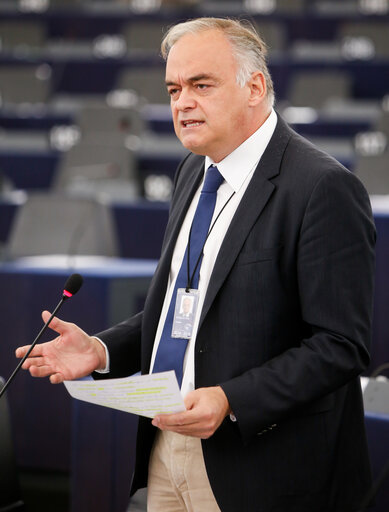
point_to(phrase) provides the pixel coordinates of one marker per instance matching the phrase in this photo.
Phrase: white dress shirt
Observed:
(237, 170)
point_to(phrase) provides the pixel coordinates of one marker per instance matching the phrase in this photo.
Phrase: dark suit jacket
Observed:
(285, 330)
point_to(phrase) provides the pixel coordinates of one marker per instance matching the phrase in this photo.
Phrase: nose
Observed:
(185, 100)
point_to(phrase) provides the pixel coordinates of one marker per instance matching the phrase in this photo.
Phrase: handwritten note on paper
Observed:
(144, 395)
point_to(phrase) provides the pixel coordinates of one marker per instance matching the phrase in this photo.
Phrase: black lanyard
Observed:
(190, 278)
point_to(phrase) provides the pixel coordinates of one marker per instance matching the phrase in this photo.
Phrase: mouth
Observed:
(191, 123)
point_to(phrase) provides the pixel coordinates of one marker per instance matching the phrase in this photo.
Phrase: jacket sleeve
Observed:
(124, 346)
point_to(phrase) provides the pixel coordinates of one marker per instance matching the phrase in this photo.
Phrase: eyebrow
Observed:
(196, 78)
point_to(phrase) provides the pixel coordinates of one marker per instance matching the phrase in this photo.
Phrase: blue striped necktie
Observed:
(171, 351)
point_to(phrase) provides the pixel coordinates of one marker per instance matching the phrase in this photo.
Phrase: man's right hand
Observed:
(72, 355)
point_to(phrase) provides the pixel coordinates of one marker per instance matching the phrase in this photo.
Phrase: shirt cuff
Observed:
(107, 368)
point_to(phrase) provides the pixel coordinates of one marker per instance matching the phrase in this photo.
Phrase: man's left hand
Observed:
(206, 409)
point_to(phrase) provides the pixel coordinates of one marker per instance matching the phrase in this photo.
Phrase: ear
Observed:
(257, 86)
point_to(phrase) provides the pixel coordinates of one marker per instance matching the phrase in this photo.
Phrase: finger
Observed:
(56, 378)
(57, 325)
(41, 371)
(33, 361)
(199, 429)
(190, 400)
(46, 371)
(174, 420)
(22, 351)
(192, 430)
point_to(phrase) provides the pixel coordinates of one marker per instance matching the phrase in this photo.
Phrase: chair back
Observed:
(60, 224)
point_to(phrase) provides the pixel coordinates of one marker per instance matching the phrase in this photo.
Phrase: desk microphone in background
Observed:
(72, 285)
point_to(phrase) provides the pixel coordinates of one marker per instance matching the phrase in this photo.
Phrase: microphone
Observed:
(72, 285)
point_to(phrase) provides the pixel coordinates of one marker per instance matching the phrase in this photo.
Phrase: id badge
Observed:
(184, 313)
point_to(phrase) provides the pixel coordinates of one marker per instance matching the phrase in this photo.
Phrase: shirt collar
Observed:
(246, 156)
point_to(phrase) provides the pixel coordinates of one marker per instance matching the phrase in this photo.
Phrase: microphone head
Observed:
(72, 285)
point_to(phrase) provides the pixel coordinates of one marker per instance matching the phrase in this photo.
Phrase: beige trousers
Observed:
(178, 480)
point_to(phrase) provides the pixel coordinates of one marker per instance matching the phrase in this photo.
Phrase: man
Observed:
(282, 325)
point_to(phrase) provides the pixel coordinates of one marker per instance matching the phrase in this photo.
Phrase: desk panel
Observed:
(377, 426)
(29, 170)
(140, 227)
(103, 456)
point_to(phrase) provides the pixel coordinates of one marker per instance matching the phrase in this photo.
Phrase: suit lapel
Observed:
(187, 185)
(254, 200)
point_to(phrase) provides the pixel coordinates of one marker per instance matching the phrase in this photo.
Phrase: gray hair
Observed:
(248, 47)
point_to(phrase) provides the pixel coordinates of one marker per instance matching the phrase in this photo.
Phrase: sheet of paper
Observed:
(144, 395)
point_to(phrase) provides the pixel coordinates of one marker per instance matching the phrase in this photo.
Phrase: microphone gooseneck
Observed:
(72, 285)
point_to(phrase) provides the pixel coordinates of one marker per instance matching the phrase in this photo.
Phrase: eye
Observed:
(202, 87)
(173, 92)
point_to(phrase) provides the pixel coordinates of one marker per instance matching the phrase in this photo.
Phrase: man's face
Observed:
(211, 112)
(186, 306)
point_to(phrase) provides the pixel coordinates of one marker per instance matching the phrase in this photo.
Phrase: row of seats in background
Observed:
(84, 114)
